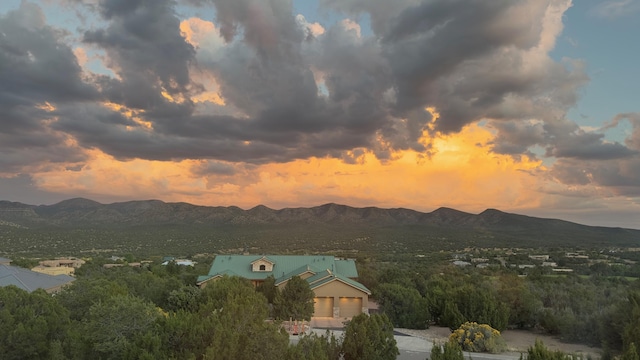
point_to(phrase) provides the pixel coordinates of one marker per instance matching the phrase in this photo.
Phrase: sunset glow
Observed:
(298, 104)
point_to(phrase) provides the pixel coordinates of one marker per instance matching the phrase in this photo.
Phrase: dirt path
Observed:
(517, 340)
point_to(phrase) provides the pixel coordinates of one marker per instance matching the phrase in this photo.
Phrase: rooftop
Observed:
(30, 280)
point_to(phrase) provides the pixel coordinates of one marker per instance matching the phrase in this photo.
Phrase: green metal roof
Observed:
(297, 272)
(286, 266)
(338, 277)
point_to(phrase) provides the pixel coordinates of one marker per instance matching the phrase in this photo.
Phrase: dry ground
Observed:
(517, 340)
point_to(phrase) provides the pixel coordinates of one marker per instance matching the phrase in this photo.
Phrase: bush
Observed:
(476, 337)
(540, 352)
(449, 351)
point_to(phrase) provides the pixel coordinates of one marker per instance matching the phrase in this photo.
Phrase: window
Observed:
(263, 267)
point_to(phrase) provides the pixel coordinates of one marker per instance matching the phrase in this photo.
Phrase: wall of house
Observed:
(256, 266)
(337, 290)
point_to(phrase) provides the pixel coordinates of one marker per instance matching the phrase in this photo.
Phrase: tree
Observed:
(295, 300)
(32, 325)
(405, 307)
(315, 347)
(268, 288)
(369, 337)
(233, 317)
(83, 293)
(451, 316)
(119, 326)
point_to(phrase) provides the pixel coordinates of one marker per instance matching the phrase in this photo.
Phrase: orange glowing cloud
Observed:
(460, 174)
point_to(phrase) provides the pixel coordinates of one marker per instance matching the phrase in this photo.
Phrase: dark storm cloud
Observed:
(36, 68)
(290, 95)
(589, 146)
(516, 137)
(605, 165)
(381, 12)
(619, 176)
(212, 167)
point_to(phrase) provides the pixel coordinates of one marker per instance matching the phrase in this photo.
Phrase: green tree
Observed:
(185, 298)
(32, 325)
(241, 331)
(295, 300)
(268, 288)
(405, 307)
(83, 293)
(121, 324)
(451, 316)
(369, 337)
(522, 304)
(315, 347)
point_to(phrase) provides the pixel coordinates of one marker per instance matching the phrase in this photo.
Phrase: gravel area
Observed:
(517, 340)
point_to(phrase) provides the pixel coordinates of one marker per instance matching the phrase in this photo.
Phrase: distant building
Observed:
(539, 257)
(526, 266)
(5, 261)
(562, 270)
(183, 262)
(30, 280)
(337, 293)
(62, 266)
(461, 263)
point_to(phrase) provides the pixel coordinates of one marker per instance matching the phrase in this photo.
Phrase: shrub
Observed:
(449, 351)
(476, 337)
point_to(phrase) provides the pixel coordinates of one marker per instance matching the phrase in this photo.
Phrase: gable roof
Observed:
(263, 258)
(324, 269)
(337, 277)
(30, 280)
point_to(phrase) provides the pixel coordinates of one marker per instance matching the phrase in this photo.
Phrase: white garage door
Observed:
(350, 306)
(323, 307)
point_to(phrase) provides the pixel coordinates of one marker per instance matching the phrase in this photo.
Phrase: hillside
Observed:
(143, 225)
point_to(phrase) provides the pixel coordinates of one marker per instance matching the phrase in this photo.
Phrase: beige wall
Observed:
(338, 289)
(256, 266)
(54, 270)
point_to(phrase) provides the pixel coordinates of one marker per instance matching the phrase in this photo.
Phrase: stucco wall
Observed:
(338, 289)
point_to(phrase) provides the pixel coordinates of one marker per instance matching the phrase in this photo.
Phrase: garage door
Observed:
(350, 306)
(323, 307)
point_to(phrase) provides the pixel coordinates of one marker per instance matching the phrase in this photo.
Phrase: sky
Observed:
(526, 106)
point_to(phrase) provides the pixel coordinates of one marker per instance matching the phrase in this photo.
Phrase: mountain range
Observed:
(85, 213)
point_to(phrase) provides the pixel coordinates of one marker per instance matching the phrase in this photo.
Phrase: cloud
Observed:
(612, 9)
(245, 88)
(37, 70)
(257, 86)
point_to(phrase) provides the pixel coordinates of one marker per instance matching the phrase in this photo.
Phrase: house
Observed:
(30, 280)
(333, 280)
(59, 266)
(5, 261)
(183, 262)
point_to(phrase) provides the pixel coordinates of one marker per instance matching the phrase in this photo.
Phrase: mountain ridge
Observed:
(154, 226)
(76, 211)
